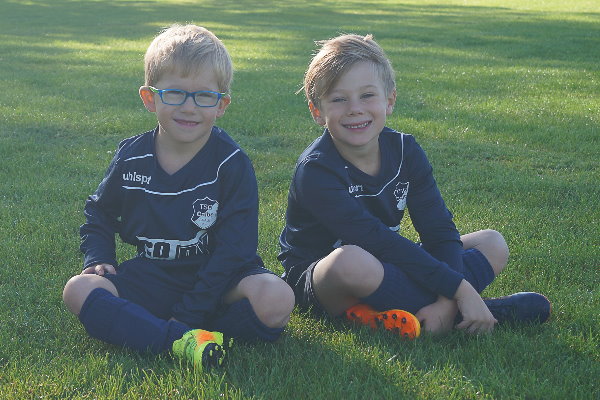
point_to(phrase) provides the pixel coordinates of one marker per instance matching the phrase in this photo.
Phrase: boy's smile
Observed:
(355, 109)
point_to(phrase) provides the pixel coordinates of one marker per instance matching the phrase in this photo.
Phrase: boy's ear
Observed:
(316, 114)
(391, 102)
(147, 96)
(223, 104)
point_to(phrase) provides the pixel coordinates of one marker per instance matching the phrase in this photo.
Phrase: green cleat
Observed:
(202, 348)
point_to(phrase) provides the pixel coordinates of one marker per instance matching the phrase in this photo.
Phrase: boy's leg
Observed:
(352, 280)
(79, 287)
(257, 308)
(349, 274)
(107, 317)
(491, 244)
(343, 277)
(119, 321)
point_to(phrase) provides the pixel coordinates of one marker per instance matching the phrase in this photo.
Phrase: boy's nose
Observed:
(354, 107)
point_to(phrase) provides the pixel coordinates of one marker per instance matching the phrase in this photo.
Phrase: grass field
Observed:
(504, 96)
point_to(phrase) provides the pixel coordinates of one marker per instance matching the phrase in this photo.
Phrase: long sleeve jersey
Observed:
(332, 203)
(204, 216)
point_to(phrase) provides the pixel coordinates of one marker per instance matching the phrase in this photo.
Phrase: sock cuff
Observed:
(98, 313)
(90, 300)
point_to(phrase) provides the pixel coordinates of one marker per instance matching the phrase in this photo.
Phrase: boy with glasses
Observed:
(185, 195)
(341, 247)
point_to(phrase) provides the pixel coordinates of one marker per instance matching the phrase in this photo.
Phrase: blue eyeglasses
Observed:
(176, 97)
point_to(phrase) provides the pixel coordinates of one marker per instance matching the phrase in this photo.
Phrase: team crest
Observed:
(400, 194)
(205, 212)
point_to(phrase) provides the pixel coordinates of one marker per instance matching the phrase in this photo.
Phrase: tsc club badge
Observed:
(400, 194)
(205, 212)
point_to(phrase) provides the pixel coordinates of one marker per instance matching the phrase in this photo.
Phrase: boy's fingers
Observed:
(473, 327)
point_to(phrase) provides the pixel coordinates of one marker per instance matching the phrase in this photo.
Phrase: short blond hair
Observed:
(187, 49)
(336, 56)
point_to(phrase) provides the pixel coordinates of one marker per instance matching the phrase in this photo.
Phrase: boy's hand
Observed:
(477, 318)
(99, 269)
(438, 317)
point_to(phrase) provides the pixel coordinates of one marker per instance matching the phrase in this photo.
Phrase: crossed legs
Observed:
(350, 273)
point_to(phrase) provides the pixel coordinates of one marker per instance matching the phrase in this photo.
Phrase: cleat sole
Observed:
(399, 322)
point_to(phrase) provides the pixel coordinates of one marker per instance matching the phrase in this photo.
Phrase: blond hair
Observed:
(339, 54)
(187, 49)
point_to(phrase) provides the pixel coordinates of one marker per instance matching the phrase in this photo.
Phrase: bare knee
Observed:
(356, 269)
(491, 244)
(79, 287)
(271, 298)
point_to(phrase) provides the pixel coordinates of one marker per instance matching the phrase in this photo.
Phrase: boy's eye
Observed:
(337, 99)
(367, 95)
(173, 95)
(206, 95)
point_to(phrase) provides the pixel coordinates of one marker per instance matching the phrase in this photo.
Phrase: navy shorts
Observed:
(158, 289)
(478, 272)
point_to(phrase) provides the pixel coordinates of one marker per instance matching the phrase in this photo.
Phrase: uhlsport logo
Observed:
(400, 194)
(205, 212)
(135, 177)
(352, 189)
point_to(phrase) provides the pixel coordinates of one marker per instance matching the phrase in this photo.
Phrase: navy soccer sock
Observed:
(398, 291)
(119, 321)
(240, 321)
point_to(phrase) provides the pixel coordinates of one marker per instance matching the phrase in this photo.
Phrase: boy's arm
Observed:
(327, 198)
(101, 212)
(429, 214)
(234, 246)
(438, 234)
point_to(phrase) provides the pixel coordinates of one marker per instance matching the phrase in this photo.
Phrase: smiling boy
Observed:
(185, 195)
(341, 248)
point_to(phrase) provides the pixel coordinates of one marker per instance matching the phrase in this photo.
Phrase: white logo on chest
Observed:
(400, 194)
(205, 212)
(355, 188)
(135, 177)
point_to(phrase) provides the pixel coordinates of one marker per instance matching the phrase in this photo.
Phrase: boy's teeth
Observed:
(358, 126)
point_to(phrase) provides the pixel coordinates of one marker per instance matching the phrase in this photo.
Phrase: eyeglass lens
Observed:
(202, 98)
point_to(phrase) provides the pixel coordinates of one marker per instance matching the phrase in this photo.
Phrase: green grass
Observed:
(503, 96)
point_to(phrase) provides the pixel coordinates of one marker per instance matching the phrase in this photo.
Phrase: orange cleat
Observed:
(399, 322)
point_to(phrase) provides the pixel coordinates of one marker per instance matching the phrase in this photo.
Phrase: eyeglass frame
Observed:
(187, 94)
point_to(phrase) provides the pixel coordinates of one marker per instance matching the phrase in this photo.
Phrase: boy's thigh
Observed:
(156, 289)
(325, 294)
(345, 276)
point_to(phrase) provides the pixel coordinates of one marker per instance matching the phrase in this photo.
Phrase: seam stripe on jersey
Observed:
(395, 176)
(144, 156)
(186, 190)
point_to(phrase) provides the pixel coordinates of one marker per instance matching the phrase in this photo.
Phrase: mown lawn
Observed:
(502, 95)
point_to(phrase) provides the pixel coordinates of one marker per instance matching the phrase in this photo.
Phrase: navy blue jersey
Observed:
(332, 203)
(205, 216)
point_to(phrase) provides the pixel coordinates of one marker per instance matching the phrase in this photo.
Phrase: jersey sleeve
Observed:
(101, 220)
(235, 242)
(327, 198)
(429, 215)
